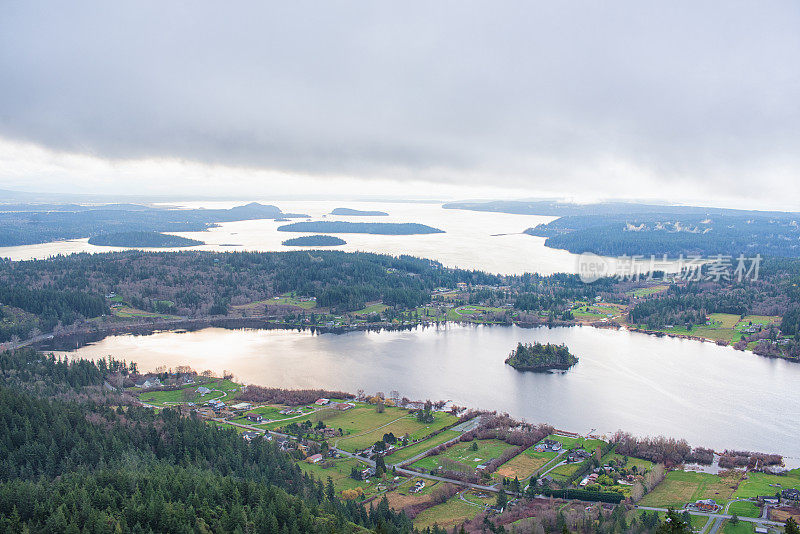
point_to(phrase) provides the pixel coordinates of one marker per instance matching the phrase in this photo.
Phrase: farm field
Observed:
(399, 427)
(418, 448)
(525, 464)
(447, 514)
(742, 527)
(744, 509)
(363, 425)
(756, 484)
(463, 453)
(681, 487)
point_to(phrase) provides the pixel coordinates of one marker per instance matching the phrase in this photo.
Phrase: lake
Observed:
(491, 242)
(708, 394)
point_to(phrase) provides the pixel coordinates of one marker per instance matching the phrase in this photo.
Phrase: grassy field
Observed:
(371, 308)
(722, 327)
(525, 464)
(339, 473)
(599, 311)
(418, 448)
(680, 487)
(647, 291)
(744, 509)
(760, 484)
(462, 452)
(408, 424)
(226, 390)
(128, 312)
(283, 300)
(453, 512)
(363, 425)
(743, 527)
(271, 413)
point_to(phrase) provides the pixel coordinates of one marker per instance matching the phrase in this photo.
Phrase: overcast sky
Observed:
(694, 102)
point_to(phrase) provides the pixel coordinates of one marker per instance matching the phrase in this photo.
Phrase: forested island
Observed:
(539, 357)
(674, 234)
(73, 222)
(143, 239)
(343, 227)
(358, 213)
(314, 241)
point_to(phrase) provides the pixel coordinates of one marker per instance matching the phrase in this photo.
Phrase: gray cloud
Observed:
(526, 93)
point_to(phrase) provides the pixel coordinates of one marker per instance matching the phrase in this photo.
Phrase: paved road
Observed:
(715, 515)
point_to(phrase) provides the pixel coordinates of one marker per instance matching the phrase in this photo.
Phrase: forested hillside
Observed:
(90, 462)
(63, 289)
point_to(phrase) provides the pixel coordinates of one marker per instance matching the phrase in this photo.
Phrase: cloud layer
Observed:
(534, 96)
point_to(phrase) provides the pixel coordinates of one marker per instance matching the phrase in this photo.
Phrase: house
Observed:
(321, 402)
(148, 383)
(314, 458)
(482, 467)
(761, 530)
(254, 417)
(418, 486)
(343, 406)
(552, 444)
(770, 500)
(242, 406)
(202, 390)
(706, 505)
(368, 472)
(547, 479)
(250, 435)
(791, 495)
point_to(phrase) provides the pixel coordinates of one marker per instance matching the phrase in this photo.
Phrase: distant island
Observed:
(143, 239)
(539, 357)
(314, 241)
(343, 227)
(74, 221)
(358, 213)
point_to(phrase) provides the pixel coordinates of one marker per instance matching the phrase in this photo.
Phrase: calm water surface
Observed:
(710, 395)
(490, 242)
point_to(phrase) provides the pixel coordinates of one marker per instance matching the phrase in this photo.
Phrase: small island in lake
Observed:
(314, 241)
(358, 213)
(539, 357)
(344, 227)
(143, 239)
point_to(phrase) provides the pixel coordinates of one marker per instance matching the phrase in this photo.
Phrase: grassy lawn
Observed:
(641, 465)
(647, 291)
(407, 425)
(363, 425)
(525, 464)
(680, 487)
(462, 452)
(283, 300)
(744, 509)
(129, 311)
(418, 448)
(452, 512)
(178, 395)
(339, 473)
(724, 320)
(759, 484)
(563, 472)
(372, 308)
(743, 527)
